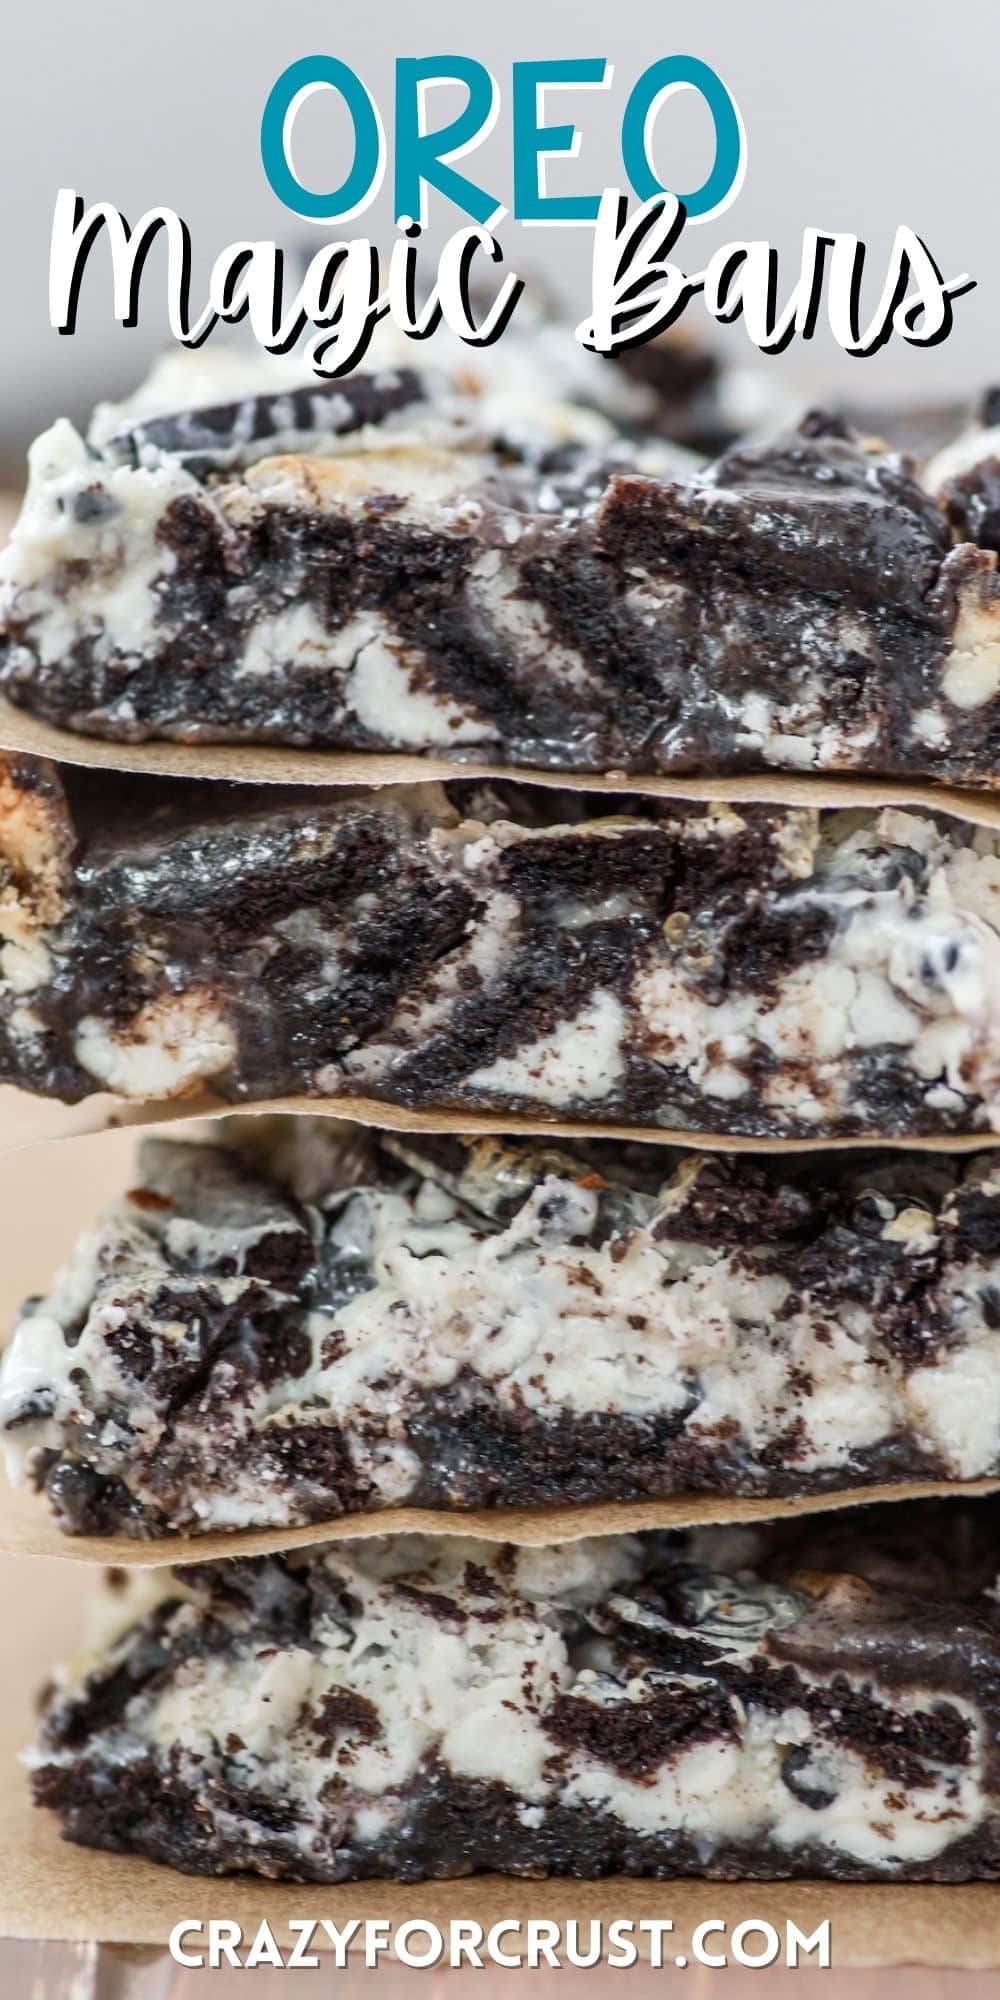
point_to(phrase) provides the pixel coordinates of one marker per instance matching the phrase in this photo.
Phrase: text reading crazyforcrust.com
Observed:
(515, 1942)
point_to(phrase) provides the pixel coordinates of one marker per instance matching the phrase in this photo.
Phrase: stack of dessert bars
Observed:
(621, 1021)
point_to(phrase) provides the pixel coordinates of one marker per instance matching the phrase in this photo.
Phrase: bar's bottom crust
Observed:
(484, 1458)
(453, 1829)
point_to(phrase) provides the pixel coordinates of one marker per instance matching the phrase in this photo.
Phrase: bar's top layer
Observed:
(905, 1594)
(826, 1690)
(506, 562)
(323, 1321)
(537, 390)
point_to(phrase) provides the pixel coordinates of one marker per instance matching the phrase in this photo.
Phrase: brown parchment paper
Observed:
(24, 1118)
(275, 763)
(50, 1889)
(27, 1527)
(49, 1193)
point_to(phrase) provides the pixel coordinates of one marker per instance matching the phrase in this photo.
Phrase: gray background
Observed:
(859, 116)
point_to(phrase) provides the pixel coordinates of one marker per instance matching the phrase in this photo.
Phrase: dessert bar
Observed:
(811, 1699)
(316, 1320)
(964, 477)
(769, 971)
(405, 561)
